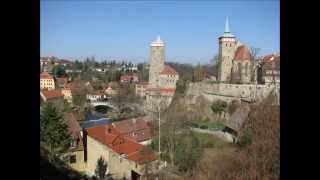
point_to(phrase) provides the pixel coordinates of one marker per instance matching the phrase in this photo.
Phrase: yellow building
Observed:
(67, 94)
(46, 81)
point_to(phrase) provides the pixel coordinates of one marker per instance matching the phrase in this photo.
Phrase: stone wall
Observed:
(228, 92)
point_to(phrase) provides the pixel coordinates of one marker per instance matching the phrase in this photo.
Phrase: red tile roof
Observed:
(271, 57)
(128, 77)
(52, 94)
(109, 136)
(45, 75)
(135, 128)
(242, 53)
(168, 70)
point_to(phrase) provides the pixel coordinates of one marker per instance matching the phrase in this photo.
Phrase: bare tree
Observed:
(254, 52)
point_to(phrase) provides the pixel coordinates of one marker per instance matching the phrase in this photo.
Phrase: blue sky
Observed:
(124, 30)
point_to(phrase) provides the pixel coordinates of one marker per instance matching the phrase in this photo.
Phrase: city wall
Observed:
(228, 92)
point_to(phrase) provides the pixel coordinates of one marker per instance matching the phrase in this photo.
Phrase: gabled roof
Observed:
(110, 137)
(51, 94)
(168, 70)
(242, 53)
(45, 75)
(128, 77)
(270, 58)
(134, 125)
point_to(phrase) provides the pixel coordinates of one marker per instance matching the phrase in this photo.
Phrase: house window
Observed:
(73, 159)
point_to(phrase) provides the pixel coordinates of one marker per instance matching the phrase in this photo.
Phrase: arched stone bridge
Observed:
(101, 103)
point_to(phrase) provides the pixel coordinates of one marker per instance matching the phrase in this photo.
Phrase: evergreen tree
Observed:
(58, 71)
(53, 132)
(101, 168)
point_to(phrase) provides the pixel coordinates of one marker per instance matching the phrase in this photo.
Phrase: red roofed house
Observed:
(269, 71)
(46, 81)
(125, 157)
(129, 78)
(136, 129)
(52, 95)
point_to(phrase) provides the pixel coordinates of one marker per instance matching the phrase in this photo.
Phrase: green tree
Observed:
(78, 65)
(54, 133)
(59, 71)
(101, 168)
(219, 106)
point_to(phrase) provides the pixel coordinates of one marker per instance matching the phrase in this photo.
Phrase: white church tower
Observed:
(156, 62)
(227, 48)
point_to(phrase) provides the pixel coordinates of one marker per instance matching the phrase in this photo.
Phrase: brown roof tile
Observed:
(52, 94)
(168, 70)
(45, 75)
(242, 53)
(109, 136)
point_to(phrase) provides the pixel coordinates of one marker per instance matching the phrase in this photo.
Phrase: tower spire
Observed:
(226, 27)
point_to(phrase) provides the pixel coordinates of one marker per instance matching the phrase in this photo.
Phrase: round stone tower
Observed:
(157, 57)
(227, 48)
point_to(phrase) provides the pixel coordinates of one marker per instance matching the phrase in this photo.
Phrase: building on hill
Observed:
(242, 66)
(132, 78)
(235, 60)
(162, 78)
(136, 129)
(269, 70)
(51, 96)
(67, 92)
(125, 157)
(47, 81)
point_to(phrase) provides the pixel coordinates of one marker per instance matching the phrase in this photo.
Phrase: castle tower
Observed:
(227, 47)
(157, 56)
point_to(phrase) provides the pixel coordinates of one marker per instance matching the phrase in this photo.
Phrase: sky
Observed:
(124, 29)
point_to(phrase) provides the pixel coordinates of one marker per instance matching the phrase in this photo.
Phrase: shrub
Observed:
(219, 106)
(203, 127)
(195, 125)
